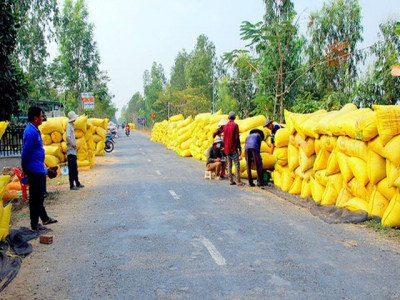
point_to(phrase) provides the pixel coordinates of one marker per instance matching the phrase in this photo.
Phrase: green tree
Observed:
(200, 69)
(278, 47)
(13, 83)
(334, 33)
(76, 69)
(378, 86)
(130, 113)
(178, 80)
(154, 83)
(34, 34)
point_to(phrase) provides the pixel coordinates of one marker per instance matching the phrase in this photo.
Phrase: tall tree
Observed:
(278, 46)
(36, 32)
(178, 80)
(379, 86)
(13, 84)
(334, 32)
(154, 84)
(201, 67)
(77, 66)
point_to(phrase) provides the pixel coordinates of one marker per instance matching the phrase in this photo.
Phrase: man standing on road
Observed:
(252, 154)
(71, 153)
(216, 160)
(32, 163)
(233, 148)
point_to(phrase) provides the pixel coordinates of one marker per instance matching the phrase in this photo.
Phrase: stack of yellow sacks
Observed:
(5, 212)
(348, 158)
(90, 138)
(3, 127)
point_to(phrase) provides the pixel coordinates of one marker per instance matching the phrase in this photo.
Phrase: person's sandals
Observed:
(252, 184)
(41, 227)
(232, 183)
(80, 186)
(74, 188)
(50, 221)
(240, 183)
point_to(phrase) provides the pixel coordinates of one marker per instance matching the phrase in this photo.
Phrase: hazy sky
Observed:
(132, 34)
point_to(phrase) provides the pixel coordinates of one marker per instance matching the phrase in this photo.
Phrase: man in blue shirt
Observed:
(252, 154)
(32, 163)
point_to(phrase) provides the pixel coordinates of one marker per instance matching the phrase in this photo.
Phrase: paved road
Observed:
(153, 228)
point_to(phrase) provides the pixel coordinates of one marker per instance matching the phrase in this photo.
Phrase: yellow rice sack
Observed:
(251, 123)
(288, 121)
(277, 177)
(46, 138)
(343, 197)
(356, 204)
(391, 216)
(295, 189)
(392, 150)
(317, 190)
(293, 157)
(305, 125)
(376, 146)
(81, 123)
(321, 161)
(376, 167)
(353, 147)
(321, 178)
(347, 122)
(103, 123)
(268, 161)
(51, 161)
(359, 169)
(307, 145)
(5, 222)
(287, 181)
(357, 189)
(176, 118)
(305, 189)
(393, 174)
(330, 195)
(383, 188)
(328, 142)
(377, 204)
(366, 127)
(306, 162)
(344, 167)
(333, 165)
(282, 138)
(322, 126)
(304, 175)
(388, 119)
(281, 155)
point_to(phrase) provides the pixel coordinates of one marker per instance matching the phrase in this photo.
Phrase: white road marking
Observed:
(174, 195)
(143, 153)
(218, 258)
(158, 172)
(140, 149)
(149, 160)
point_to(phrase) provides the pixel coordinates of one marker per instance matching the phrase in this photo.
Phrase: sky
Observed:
(132, 34)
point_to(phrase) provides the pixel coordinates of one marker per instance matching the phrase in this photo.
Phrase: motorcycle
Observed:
(109, 144)
(127, 131)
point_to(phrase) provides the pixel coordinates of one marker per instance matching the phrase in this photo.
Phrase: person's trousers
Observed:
(217, 167)
(254, 155)
(36, 198)
(235, 158)
(73, 171)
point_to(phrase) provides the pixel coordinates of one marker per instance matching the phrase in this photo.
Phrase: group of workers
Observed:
(226, 149)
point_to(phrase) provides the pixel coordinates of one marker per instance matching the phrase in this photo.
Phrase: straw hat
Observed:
(72, 116)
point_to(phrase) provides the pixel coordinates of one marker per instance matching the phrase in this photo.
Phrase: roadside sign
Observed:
(88, 100)
(153, 116)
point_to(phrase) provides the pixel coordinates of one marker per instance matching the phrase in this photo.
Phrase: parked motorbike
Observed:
(109, 144)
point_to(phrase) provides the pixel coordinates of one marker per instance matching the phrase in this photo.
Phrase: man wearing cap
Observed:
(216, 160)
(273, 128)
(71, 153)
(232, 148)
(252, 153)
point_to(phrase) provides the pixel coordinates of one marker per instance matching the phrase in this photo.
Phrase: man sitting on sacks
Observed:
(216, 158)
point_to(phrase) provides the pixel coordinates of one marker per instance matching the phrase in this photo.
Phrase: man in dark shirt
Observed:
(216, 159)
(252, 154)
(233, 148)
(273, 128)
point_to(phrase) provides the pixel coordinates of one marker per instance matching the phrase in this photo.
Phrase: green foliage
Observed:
(334, 32)
(178, 79)
(378, 86)
(13, 83)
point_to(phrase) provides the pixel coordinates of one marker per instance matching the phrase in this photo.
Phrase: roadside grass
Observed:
(388, 232)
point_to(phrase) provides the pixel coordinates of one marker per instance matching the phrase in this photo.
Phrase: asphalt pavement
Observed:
(149, 226)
